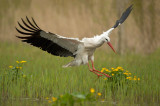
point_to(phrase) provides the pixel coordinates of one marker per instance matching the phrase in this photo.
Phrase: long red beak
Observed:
(111, 46)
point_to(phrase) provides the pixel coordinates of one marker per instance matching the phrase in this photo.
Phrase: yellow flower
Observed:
(138, 79)
(17, 61)
(23, 61)
(92, 90)
(105, 78)
(112, 74)
(112, 68)
(10, 66)
(46, 98)
(19, 67)
(116, 69)
(135, 76)
(134, 79)
(49, 101)
(24, 76)
(129, 73)
(107, 70)
(125, 73)
(54, 99)
(127, 77)
(99, 94)
(102, 70)
(130, 78)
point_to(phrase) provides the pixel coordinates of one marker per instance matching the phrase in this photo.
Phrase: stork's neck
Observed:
(100, 39)
(107, 33)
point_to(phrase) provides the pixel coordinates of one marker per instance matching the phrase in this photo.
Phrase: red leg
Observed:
(98, 71)
(94, 71)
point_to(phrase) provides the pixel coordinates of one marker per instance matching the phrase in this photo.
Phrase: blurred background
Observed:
(86, 18)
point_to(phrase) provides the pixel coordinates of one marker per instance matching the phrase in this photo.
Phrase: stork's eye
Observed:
(107, 40)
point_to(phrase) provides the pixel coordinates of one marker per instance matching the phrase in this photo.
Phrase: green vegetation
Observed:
(42, 76)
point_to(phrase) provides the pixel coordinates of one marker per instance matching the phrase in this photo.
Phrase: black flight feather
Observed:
(124, 16)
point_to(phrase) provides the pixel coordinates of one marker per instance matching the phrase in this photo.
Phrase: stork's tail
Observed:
(65, 66)
(72, 63)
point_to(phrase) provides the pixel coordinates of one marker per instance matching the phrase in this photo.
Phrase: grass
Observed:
(46, 78)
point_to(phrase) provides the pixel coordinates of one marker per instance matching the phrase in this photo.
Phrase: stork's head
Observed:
(107, 40)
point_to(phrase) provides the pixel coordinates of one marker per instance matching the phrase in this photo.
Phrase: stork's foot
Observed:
(95, 73)
(101, 73)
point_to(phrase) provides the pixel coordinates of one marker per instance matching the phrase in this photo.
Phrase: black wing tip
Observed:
(130, 8)
(30, 28)
(124, 16)
(24, 33)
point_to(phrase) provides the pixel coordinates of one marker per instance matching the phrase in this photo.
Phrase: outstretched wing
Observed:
(50, 42)
(121, 20)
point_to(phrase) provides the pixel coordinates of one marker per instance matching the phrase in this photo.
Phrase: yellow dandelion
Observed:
(46, 98)
(138, 79)
(18, 67)
(112, 74)
(129, 73)
(130, 78)
(102, 70)
(127, 77)
(17, 61)
(24, 76)
(112, 68)
(10, 66)
(49, 101)
(99, 94)
(107, 70)
(23, 61)
(105, 78)
(125, 73)
(116, 69)
(92, 90)
(134, 78)
(54, 99)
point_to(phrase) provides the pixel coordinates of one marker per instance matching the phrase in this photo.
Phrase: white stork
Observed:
(82, 50)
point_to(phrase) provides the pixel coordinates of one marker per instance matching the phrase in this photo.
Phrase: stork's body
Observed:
(82, 50)
(86, 50)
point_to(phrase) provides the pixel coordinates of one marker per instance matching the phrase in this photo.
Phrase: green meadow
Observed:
(43, 77)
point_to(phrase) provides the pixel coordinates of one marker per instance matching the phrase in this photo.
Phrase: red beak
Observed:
(111, 46)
